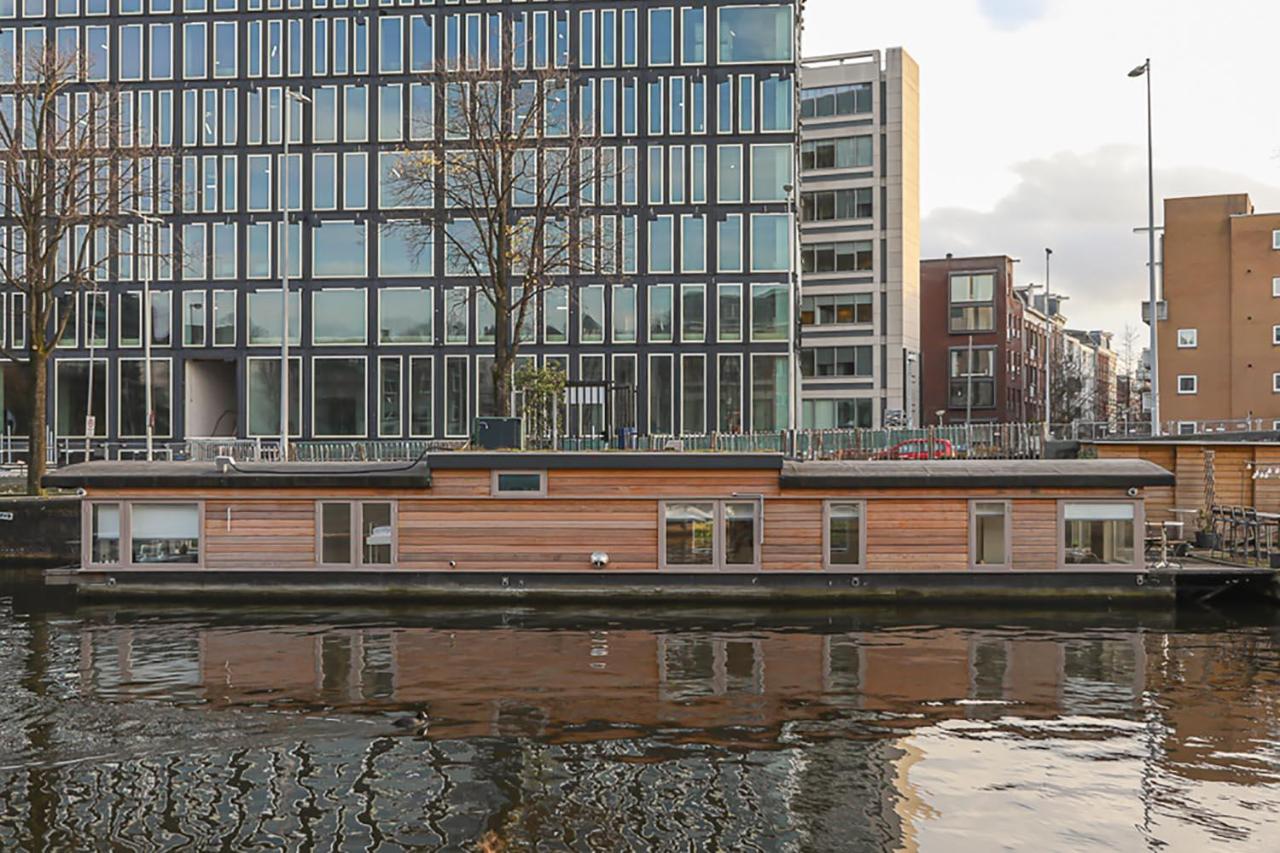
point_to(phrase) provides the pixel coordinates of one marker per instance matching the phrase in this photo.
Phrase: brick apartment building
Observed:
(974, 345)
(1219, 343)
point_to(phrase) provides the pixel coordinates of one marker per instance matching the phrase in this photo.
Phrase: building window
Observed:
(661, 395)
(770, 242)
(377, 533)
(104, 534)
(771, 172)
(421, 395)
(660, 313)
(1098, 534)
(770, 312)
(841, 309)
(729, 393)
(164, 533)
(828, 205)
(989, 533)
(836, 361)
(844, 535)
(844, 100)
(390, 397)
(338, 317)
(518, 484)
(750, 34)
(1275, 287)
(405, 315)
(1275, 382)
(1187, 384)
(133, 402)
(710, 535)
(262, 392)
(854, 152)
(972, 302)
(1275, 239)
(846, 413)
(334, 530)
(264, 320)
(338, 396)
(770, 392)
(729, 313)
(842, 256)
(1187, 338)
(1275, 335)
(1187, 427)
(973, 383)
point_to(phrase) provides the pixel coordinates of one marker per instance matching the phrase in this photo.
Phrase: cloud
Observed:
(1085, 207)
(1012, 14)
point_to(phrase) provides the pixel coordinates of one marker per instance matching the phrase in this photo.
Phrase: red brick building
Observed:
(976, 360)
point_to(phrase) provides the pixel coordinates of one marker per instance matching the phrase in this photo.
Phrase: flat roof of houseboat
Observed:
(142, 474)
(975, 473)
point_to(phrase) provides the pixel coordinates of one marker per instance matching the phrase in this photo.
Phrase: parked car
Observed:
(919, 448)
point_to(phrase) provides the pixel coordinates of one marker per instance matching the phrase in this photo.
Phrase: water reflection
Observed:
(161, 726)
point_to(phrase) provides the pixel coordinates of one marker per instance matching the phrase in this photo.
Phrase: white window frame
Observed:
(861, 565)
(497, 492)
(717, 563)
(974, 565)
(364, 313)
(1139, 526)
(126, 533)
(1188, 338)
(399, 399)
(364, 397)
(1195, 384)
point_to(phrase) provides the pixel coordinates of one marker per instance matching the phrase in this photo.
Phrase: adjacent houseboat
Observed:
(670, 525)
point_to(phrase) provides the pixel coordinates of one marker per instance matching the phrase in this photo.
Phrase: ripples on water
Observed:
(172, 727)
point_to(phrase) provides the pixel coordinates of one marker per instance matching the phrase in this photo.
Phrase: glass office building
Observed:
(696, 102)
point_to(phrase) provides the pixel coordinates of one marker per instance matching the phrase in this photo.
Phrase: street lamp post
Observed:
(290, 95)
(148, 255)
(1144, 70)
(1048, 349)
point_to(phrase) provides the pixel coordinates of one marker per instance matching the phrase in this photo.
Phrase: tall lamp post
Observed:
(290, 95)
(148, 255)
(1144, 70)
(1048, 349)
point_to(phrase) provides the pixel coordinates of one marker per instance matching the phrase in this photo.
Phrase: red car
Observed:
(918, 448)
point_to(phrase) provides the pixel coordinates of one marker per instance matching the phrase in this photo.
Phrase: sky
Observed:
(1032, 135)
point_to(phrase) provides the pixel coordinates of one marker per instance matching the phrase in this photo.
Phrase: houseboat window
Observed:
(740, 534)
(106, 533)
(375, 534)
(165, 533)
(519, 483)
(1098, 534)
(990, 540)
(844, 534)
(690, 534)
(335, 533)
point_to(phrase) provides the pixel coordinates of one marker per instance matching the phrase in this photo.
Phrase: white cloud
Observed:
(1084, 207)
(1032, 135)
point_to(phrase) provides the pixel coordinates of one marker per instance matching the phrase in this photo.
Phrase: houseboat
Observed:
(613, 525)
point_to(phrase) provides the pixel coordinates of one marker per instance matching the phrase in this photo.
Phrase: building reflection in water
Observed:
(625, 737)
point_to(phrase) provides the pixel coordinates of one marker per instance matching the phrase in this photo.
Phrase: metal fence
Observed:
(974, 441)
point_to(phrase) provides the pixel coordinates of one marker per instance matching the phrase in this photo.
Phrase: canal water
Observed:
(149, 726)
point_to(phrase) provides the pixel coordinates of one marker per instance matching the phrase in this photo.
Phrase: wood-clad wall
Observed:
(926, 535)
(1233, 469)
(457, 525)
(267, 534)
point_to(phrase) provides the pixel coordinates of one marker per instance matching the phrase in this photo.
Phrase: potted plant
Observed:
(1206, 536)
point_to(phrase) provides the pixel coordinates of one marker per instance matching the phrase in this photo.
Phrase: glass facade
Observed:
(693, 108)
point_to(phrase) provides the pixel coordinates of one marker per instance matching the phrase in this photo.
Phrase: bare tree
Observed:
(528, 198)
(75, 176)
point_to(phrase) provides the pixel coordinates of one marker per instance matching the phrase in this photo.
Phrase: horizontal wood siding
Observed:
(265, 534)
(1035, 535)
(792, 535)
(528, 535)
(659, 484)
(928, 535)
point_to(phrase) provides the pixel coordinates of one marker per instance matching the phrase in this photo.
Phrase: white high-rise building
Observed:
(860, 239)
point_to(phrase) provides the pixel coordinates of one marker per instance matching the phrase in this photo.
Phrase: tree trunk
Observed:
(38, 392)
(502, 360)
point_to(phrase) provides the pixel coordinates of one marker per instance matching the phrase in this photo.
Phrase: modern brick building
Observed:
(696, 101)
(1219, 348)
(860, 240)
(974, 343)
